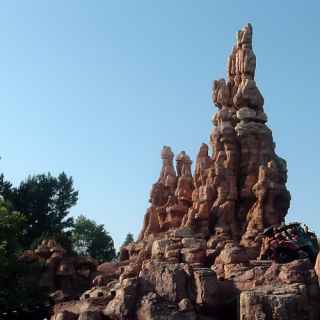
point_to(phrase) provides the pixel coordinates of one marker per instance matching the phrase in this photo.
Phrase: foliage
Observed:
(90, 238)
(5, 187)
(11, 223)
(45, 201)
(15, 292)
(129, 238)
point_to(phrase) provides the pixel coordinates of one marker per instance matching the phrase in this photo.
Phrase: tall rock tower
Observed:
(249, 177)
(239, 190)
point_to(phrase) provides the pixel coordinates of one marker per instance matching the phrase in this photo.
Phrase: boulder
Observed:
(232, 254)
(207, 288)
(154, 307)
(289, 302)
(123, 305)
(159, 248)
(169, 280)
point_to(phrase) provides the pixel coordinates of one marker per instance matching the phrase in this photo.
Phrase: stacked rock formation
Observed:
(196, 255)
(170, 196)
(247, 169)
(63, 276)
(238, 191)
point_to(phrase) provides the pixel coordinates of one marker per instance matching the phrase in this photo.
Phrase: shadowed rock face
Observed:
(196, 255)
(64, 276)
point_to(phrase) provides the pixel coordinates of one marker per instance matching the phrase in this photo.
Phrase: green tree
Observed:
(45, 201)
(15, 291)
(90, 238)
(5, 187)
(11, 224)
(129, 238)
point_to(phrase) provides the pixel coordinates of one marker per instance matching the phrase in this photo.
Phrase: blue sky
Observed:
(96, 88)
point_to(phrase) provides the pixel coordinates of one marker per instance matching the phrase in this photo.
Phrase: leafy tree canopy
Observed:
(45, 201)
(90, 238)
(5, 187)
(15, 291)
(129, 238)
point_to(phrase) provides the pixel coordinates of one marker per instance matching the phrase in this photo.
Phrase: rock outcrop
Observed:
(64, 276)
(285, 302)
(197, 254)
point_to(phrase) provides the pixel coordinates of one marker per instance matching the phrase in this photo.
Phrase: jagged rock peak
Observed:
(168, 175)
(238, 98)
(242, 60)
(166, 153)
(183, 164)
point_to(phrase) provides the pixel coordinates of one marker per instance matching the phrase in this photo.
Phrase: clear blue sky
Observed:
(96, 88)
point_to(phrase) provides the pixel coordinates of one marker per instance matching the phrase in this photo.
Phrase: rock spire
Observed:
(240, 190)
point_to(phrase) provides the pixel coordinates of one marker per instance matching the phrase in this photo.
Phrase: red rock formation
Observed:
(170, 196)
(249, 177)
(240, 190)
(64, 276)
(196, 254)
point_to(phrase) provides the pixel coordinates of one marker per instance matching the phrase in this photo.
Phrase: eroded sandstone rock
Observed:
(123, 305)
(171, 281)
(281, 303)
(64, 276)
(196, 255)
